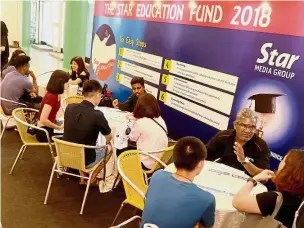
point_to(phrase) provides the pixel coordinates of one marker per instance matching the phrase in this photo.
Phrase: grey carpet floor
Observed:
(22, 194)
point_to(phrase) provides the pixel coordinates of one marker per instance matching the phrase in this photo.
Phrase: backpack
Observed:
(299, 217)
(259, 221)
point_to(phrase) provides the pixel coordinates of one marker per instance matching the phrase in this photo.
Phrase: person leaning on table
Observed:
(138, 88)
(241, 148)
(289, 180)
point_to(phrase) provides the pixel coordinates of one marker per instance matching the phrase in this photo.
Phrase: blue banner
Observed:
(202, 76)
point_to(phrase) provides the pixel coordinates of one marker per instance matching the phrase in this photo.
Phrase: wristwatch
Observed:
(253, 181)
(245, 161)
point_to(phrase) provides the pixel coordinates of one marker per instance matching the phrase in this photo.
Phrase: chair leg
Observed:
(4, 127)
(50, 183)
(20, 152)
(21, 157)
(86, 193)
(52, 153)
(120, 209)
(118, 177)
(53, 157)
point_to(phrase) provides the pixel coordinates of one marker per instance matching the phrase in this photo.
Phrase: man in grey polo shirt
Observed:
(16, 87)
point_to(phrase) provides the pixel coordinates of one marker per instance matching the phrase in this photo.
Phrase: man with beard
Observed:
(240, 147)
(138, 88)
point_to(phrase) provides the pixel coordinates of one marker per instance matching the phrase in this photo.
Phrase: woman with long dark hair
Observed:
(79, 74)
(4, 45)
(50, 104)
(289, 180)
(9, 67)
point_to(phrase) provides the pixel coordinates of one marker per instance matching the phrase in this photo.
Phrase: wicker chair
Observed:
(71, 100)
(28, 139)
(129, 167)
(4, 117)
(72, 155)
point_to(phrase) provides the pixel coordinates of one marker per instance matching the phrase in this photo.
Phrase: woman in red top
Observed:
(50, 104)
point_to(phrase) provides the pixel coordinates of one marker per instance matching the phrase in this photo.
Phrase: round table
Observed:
(223, 182)
(118, 122)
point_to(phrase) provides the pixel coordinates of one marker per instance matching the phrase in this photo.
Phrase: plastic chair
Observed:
(162, 161)
(28, 139)
(127, 222)
(71, 100)
(129, 167)
(6, 118)
(171, 142)
(72, 155)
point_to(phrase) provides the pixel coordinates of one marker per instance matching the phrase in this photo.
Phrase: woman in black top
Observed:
(79, 73)
(289, 180)
(4, 45)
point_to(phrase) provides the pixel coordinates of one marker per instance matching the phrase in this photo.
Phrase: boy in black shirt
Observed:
(82, 123)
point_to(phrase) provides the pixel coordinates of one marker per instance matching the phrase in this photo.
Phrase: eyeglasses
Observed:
(247, 126)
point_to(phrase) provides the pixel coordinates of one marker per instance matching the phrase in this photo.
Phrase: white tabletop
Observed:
(118, 121)
(222, 181)
(114, 114)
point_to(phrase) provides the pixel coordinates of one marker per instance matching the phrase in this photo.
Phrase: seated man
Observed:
(172, 199)
(241, 148)
(17, 88)
(82, 124)
(138, 88)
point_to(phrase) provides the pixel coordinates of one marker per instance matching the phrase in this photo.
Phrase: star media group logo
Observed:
(275, 63)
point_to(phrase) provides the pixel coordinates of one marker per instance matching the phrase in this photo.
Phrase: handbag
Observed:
(259, 221)
(160, 126)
